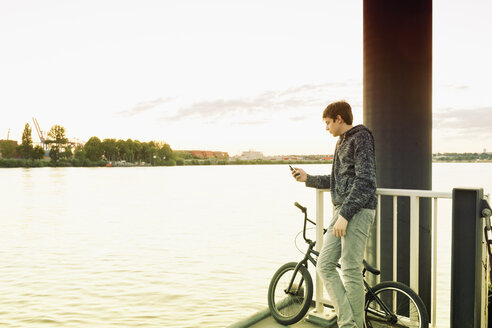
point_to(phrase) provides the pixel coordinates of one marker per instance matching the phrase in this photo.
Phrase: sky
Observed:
(224, 75)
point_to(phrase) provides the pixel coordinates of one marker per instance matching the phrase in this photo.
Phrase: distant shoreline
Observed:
(27, 163)
(19, 163)
(474, 161)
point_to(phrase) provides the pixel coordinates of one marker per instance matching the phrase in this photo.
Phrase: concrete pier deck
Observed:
(263, 319)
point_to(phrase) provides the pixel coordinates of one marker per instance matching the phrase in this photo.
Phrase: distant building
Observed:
(208, 154)
(221, 155)
(250, 155)
(11, 141)
(196, 153)
(12, 146)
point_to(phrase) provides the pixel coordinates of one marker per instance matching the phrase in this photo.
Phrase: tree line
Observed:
(93, 153)
(131, 151)
(25, 150)
(462, 157)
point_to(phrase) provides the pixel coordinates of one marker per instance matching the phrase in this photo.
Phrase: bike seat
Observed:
(370, 268)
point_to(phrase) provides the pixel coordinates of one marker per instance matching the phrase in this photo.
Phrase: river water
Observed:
(189, 246)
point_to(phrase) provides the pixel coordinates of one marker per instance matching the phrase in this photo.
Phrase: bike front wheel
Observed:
(394, 305)
(288, 306)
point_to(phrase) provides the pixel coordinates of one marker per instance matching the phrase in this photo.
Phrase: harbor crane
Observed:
(42, 137)
(40, 133)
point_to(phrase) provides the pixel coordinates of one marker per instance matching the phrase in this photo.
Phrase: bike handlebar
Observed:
(299, 206)
(304, 210)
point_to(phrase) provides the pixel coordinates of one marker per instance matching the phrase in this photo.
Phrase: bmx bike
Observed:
(388, 304)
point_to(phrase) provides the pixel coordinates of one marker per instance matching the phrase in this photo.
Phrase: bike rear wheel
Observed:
(405, 307)
(288, 307)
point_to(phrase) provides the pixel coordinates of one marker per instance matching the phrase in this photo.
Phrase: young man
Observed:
(353, 193)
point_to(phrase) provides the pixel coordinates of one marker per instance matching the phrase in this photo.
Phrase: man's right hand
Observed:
(299, 174)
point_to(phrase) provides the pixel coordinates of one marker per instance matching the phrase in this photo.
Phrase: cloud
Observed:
(464, 122)
(320, 88)
(252, 122)
(265, 105)
(297, 118)
(144, 106)
(457, 87)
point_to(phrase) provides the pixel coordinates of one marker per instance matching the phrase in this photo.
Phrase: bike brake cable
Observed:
(295, 239)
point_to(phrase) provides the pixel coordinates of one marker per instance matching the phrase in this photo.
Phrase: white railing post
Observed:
(378, 238)
(395, 243)
(414, 196)
(319, 245)
(320, 314)
(414, 243)
(434, 264)
(395, 238)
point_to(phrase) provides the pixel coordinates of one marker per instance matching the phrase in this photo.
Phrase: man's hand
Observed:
(340, 227)
(299, 175)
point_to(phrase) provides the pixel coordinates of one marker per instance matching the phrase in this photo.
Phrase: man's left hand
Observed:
(340, 227)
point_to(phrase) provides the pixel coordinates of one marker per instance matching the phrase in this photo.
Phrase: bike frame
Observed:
(310, 250)
(309, 258)
(388, 315)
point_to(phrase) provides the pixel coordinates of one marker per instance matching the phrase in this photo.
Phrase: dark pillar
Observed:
(466, 259)
(398, 109)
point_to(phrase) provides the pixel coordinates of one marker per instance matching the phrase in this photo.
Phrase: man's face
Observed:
(334, 126)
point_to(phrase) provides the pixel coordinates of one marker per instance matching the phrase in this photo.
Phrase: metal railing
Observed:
(414, 196)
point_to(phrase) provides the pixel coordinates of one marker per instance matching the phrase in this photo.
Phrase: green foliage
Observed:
(38, 163)
(85, 162)
(62, 162)
(93, 149)
(95, 152)
(165, 162)
(169, 162)
(110, 149)
(10, 163)
(37, 153)
(7, 148)
(463, 157)
(26, 147)
(165, 152)
(22, 163)
(122, 149)
(54, 154)
(183, 154)
(67, 154)
(79, 153)
(137, 150)
(148, 152)
(57, 141)
(134, 151)
(57, 136)
(130, 153)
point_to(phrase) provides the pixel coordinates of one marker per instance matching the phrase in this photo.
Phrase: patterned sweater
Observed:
(353, 173)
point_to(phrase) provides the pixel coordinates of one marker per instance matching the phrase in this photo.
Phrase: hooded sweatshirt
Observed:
(353, 174)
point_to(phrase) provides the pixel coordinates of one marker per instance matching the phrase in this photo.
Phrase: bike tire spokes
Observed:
(403, 311)
(290, 293)
(289, 302)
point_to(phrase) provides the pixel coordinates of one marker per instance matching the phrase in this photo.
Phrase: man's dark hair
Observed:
(341, 108)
